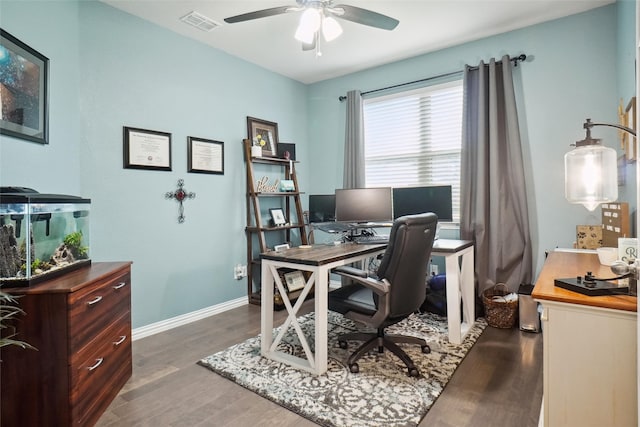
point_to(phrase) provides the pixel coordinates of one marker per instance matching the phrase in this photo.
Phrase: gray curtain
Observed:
(353, 175)
(493, 195)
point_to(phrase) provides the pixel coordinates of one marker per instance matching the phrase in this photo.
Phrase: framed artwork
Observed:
(24, 80)
(146, 149)
(632, 144)
(264, 134)
(205, 156)
(277, 217)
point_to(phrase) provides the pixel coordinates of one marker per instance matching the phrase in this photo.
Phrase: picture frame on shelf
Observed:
(277, 217)
(24, 90)
(263, 133)
(146, 149)
(205, 156)
(294, 280)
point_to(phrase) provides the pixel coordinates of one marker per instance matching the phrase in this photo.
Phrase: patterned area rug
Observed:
(382, 394)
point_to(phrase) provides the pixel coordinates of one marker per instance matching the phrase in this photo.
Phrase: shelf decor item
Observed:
(277, 217)
(24, 79)
(263, 133)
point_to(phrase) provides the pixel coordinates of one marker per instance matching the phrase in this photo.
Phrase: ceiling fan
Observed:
(318, 16)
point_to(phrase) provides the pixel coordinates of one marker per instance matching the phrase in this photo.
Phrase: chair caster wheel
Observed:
(343, 344)
(354, 368)
(413, 372)
(426, 349)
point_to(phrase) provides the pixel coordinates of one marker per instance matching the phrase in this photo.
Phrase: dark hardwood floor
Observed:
(499, 383)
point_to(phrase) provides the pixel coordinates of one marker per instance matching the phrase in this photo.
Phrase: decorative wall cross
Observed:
(180, 195)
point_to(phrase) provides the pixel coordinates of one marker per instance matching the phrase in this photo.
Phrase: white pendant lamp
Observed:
(590, 170)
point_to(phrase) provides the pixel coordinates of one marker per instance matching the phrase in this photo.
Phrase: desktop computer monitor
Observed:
(322, 208)
(361, 205)
(415, 200)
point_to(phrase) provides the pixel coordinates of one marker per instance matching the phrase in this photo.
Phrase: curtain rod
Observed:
(515, 61)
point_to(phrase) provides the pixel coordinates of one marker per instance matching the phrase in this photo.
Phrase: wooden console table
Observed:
(590, 348)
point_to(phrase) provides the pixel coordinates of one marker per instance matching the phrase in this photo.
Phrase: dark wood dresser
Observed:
(80, 324)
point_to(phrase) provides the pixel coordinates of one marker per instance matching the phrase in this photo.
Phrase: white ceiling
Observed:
(425, 26)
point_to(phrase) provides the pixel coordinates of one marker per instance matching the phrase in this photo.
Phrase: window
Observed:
(414, 139)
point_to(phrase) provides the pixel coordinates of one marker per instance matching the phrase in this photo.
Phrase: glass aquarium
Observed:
(41, 235)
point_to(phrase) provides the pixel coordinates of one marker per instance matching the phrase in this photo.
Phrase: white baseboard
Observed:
(174, 322)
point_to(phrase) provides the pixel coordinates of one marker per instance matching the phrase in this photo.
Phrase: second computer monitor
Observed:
(363, 205)
(322, 207)
(416, 200)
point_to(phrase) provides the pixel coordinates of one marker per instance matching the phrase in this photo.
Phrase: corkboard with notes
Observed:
(615, 223)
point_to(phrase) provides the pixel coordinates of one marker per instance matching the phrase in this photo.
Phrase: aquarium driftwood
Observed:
(10, 260)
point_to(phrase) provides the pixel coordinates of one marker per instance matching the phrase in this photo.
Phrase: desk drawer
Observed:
(94, 308)
(101, 370)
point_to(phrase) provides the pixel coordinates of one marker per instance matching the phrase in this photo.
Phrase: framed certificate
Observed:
(146, 149)
(205, 156)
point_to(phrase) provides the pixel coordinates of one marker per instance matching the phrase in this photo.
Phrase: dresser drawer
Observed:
(100, 371)
(94, 308)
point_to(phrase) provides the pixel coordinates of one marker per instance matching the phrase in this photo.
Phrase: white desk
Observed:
(459, 264)
(318, 260)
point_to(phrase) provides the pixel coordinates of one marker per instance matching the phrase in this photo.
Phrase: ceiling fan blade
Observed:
(258, 14)
(366, 17)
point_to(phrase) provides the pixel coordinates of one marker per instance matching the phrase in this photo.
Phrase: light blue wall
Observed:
(110, 69)
(123, 71)
(570, 75)
(50, 27)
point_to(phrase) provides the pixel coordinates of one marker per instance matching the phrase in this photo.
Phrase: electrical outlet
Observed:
(239, 271)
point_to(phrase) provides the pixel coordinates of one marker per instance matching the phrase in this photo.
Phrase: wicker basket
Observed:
(499, 312)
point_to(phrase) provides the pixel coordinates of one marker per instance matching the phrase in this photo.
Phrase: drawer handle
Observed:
(121, 340)
(98, 363)
(95, 300)
(120, 285)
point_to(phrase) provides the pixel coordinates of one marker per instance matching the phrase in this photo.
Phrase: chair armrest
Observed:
(380, 287)
(352, 271)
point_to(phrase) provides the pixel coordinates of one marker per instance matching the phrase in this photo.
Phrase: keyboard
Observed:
(371, 240)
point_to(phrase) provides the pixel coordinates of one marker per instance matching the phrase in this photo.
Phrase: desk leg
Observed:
(266, 309)
(460, 287)
(453, 298)
(467, 282)
(321, 320)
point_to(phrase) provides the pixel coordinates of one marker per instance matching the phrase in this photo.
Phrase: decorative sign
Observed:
(627, 249)
(263, 185)
(180, 195)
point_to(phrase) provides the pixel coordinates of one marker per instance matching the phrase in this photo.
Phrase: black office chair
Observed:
(397, 290)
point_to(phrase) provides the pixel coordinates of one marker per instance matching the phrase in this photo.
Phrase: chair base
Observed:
(381, 340)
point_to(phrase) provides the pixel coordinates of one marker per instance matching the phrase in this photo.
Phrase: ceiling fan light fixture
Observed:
(309, 24)
(331, 29)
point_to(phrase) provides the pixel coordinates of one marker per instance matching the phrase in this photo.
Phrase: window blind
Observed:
(413, 138)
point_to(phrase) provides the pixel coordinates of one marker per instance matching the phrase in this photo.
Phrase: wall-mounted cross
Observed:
(180, 195)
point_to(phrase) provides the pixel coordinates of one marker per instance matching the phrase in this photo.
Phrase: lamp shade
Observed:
(331, 29)
(591, 175)
(309, 24)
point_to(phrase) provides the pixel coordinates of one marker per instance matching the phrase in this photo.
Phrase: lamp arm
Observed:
(589, 124)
